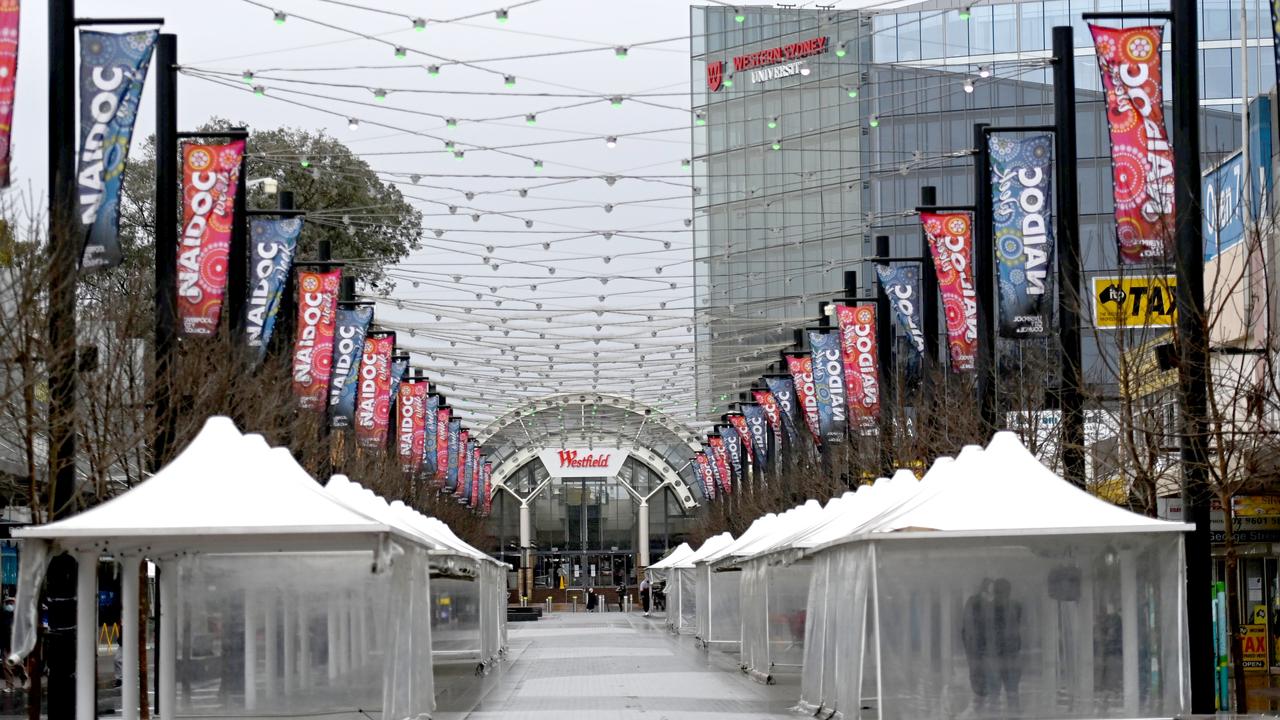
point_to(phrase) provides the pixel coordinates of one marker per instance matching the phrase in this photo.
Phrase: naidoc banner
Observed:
(406, 410)
(487, 499)
(442, 445)
(113, 69)
(373, 394)
(828, 383)
(733, 448)
(773, 414)
(858, 346)
(9, 12)
(313, 348)
(209, 179)
(272, 245)
(783, 390)
(739, 423)
(420, 390)
(348, 348)
(705, 475)
(1141, 152)
(757, 428)
(467, 472)
(1023, 227)
(464, 437)
(801, 367)
(721, 458)
(398, 370)
(431, 429)
(451, 455)
(902, 286)
(950, 237)
(477, 470)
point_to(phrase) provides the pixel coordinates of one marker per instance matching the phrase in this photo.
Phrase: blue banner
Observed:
(348, 346)
(113, 70)
(398, 369)
(1223, 187)
(758, 425)
(272, 245)
(467, 470)
(828, 384)
(902, 286)
(1023, 227)
(429, 445)
(451, 472)
(784, 392)
(733, 448)
(713, 472)
(700, 477)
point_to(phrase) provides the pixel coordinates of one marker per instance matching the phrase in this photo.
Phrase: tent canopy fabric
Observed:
(674, 556)
(224, 492)
(710, 545)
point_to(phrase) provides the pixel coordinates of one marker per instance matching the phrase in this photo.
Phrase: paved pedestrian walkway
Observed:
(616, 665)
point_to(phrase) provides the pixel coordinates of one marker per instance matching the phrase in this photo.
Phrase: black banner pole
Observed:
(888, 373)
(238, 252)
(929, 364)
(983, 277)
(1193, 350)
(1071, 380)
(64, 254)
(166, 244)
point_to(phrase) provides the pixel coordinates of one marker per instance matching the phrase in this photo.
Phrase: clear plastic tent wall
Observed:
(686, 619)
(303, 633)
(774, 609)
(456, 619)
(719, 595)
(1032, 626)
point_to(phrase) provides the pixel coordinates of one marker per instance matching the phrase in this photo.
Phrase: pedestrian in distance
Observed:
(622, 593)
(646, 591)
(976, 634)
(1006, 616)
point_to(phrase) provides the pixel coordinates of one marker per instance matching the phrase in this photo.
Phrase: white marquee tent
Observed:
(994, 588)
(684, 577)
(276, 596)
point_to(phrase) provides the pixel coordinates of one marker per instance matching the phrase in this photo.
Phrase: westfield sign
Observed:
(582, 462)
(789, 54)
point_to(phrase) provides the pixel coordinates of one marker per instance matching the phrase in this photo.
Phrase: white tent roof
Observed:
(711, 545)
(786, 525)
(225, 491)
(867, 504)
(762, 526)
(673, 557)
(1004, 489)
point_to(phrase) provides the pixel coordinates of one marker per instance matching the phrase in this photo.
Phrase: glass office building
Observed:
(801, 157)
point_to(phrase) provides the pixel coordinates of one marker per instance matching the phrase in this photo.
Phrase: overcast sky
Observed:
(651, 248)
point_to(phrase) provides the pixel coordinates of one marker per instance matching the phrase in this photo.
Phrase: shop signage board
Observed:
(1253, 647)
(583, 462)
(769, 63)
(1257, 519)
(1130, 302)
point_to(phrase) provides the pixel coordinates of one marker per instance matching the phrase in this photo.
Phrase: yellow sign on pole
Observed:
(1253, 647)
(1134, 302)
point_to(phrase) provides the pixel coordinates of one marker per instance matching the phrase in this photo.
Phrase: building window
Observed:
(884, 39)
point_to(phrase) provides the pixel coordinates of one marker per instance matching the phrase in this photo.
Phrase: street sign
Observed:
(1131, 302)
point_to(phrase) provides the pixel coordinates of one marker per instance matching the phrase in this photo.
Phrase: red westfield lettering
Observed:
(571, 459)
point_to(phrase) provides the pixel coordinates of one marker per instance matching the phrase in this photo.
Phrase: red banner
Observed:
(442, 445)
(1141, 153)
(739, 423)
(410, 427)
(9, 11)
(722, 464)
(313, 347)
(708, 478)
(858, 346)
(950, 236)
(801, 368)
(373, 394)
(463, 438)
(475, 480)
(209, 180)
(488, 489)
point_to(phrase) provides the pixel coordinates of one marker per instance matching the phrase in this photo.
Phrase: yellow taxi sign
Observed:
(1125, 302)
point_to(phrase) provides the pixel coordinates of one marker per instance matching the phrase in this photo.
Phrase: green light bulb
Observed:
(853, 92)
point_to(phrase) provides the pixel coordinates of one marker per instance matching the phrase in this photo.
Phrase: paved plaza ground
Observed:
(612, 665)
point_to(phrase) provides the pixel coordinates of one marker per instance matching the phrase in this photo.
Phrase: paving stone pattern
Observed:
(568, 666)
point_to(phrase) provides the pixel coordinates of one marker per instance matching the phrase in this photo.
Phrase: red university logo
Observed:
(715, 75)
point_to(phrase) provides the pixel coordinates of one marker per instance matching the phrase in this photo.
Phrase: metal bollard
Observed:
(574, 599)
(548, 604)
